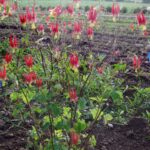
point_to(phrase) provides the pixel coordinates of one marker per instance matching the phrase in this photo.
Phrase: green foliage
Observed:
(92, 141)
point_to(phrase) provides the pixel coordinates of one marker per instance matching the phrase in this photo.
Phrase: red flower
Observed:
(115, 10)
(58, 10)
(90, 32)
(39, 83)
(28, 14)
(13, 42)
(70, 9)
(74, 61)
(23, 19)
(77, 27)
(28, 78)
(92, 14)
(100, 70)
(54, 28)
(73, 95)
(33, 15)
(34, 76)
(141, 19)
(3, 74)
(2, 2)
(74, 137)
(28, 60)
(8, 58)
(41, 28)
(136, 62)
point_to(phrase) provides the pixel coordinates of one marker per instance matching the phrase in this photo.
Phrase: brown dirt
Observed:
(13, 136)
(135, 135)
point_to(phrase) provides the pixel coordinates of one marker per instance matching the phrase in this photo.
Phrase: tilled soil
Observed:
(13, 136)
(133, 136)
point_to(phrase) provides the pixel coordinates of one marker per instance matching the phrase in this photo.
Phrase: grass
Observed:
(47, 3)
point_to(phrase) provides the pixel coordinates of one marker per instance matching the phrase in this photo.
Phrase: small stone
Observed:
(110, 125)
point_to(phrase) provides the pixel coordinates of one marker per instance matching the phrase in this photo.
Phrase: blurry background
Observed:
(127, 6)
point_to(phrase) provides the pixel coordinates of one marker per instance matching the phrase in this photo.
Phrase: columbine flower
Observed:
(31, 17)
(39, 83)
(92, 14)
(74, 138)
(2, 2)
(8, 58)
(13, 42)
(28, 78)
(136, 62)
(41, 28)
(141, 19)
(90, 33)
(28, 61)
(28, 15)
(115, 10)
(77, 30)
(55, 30)
(3, 74)
(56, 11)
(70, 9)
(34, 76)
(73, 95)
(23, 19)
(74, 61)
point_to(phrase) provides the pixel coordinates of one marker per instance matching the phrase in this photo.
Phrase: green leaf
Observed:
(37, 110)
(120, 67)
(92, 141)
(66, 112)
(117, 97)
(14, 96)
(46, 119)
(27, 96)
(58, 87)
(43, 96)
(82, 104)
(46, 123)
(95, 111)
(97, 99)
(80, 126)
(63, 124)
(55, 109)
(107, 118)
(34, 133)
